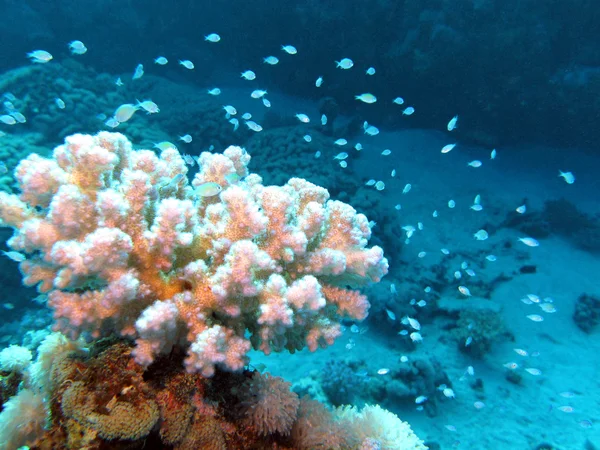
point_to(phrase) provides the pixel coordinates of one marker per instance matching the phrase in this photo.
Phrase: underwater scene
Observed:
(300, 224)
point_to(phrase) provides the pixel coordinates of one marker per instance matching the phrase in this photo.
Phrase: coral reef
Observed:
(587, 312)
(122, 243)
(476, 331)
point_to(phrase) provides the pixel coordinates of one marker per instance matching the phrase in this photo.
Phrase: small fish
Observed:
(567, 394)
(289, 49)
(371, 71)
(398, 101)
(404, 359)
(477, 200)
(407, 188)
(383, 371)
(416, 337)
(535, 317)
(124, 112)
(119, 82)
(491, 258)
(307, 137)
(421, 254)
(138, 73)
(18, 117)
(470, 272)
(319, 82)
(302, 118)
(451, 204)
(475, 163)
(566, 409)
(253, 126)
(479, 405)
(366, 98)
(468, 341)
(161, 61)
(481, 235)
(567, 176)
(186, 138)
(14, 256)
(341, 142)
(493, 154)
(77, 47)
(521, 209)
(8, 306)
(476, 207)
(420, 399)
(112, 123)
(235, 123)
(533, 371)
(529, 241)
(341, 156)
(266, 102)
(380, 185)
(345, 63)
(371, 182)
(317, 154)
(149, 106)
(448, 148)
(421, 303)
(248, 75)
(457, 275)
(358, 147)
(189, 160)
(464, 291)
(390, 314)
(449, 393)
(511, 365)
(585, 423)
(548, 308)
(8, 120)
(208, 189)
(386, 152)
(164, 145)
(214, 91)
(60, 104)
(372, 130)
(450, 427)
(187, 64)
(39, 56)
(272, 60)
(258, 93)
(230, 110)
(521, 352)
(414, 323)
(453, 123)
(408, 111)
(212, 37)
(445, 251)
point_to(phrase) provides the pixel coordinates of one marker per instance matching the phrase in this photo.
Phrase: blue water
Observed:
(504, 352)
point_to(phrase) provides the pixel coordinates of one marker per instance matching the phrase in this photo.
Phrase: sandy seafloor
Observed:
(515, 416)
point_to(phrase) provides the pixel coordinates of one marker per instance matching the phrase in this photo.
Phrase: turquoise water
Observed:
(465, 131)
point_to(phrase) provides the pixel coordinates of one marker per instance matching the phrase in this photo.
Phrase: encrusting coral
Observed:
(122, 243)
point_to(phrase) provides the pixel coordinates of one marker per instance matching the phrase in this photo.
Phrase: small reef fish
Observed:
(567, 176)
(341, 141)
(124, 112)
(266, 102)
(535, 317)
(139, 72)
(253, 126)
(383, 371)
(302, 118)
(448, 148)
(289, 49)
(164, 145)
(214, 91)
(366, 98)
(345, 63)
(408, 111)
(208, 189)
(272, 60)
(319, 82)
(453, 123)
(475, 163)
(493, 154)
(371, 71)
(235, 123)
(407, 188)
(8, 120)
(149, 106)
(39, 56)
(14, 256)
(230, 110)
(258, 93)
(212, 37)
(77, 47)
(307, 137)
(161, 61)
(248, 75)
(398, 101)
(186, 138)
(521, 209)
(380, 185)
(341, 156)
(323, 119)
(119, 82)
(464, 291)
(187, 64)
(451, 204)
(529, 241)
(386, 152)
(481, 235)
(533, 371)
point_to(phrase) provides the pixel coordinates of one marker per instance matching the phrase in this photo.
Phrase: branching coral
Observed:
(122, 243)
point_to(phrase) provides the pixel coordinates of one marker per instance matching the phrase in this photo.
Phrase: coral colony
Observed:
(123, 245)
